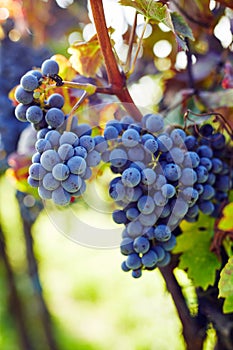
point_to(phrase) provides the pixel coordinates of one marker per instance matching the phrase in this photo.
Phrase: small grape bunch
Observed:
(30, 108)
(62, 163)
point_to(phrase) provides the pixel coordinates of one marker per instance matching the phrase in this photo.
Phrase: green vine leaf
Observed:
(154, 11)
(226, 286)
(194, 245)
(181, 27)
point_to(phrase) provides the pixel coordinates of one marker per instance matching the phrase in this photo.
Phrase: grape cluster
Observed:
(34, 109)
(63, 162)
(19, 58)
(165, 175)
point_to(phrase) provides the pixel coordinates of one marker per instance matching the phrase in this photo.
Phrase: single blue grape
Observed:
(146, 204)
(170, 244)
(56, 100)
(49, 159)
(168, 191)
(151, 145)
(93, 158)
(132, 213)
(32, 182)
(172, 172)
(166, 260)
(80, 151)
(126, 246)
(49, 182)
(65, 151)
(136, 153)
(190, 195)
(205, 151)
(34, 114)
(164, 143)
(72, 183)
(154, 123)
(118, 157)
(148, 176)
(53, 136)
(49, 68)
(141, 245)
(124, 267)
(130, 138)
(111, 133)
(77, 165)
(175, 155)
(69, 137)
(29, 82)
(159, 182)
(202, 174)
(218, 141)
(162, 233)
(206, 162)
(23, 96)
(134, 228)
(137, 273)
(42, 145)
(131, 177)
(208, 192)
(101, 144)
(119, 216)
(20, 112)
(36, 157)
(190, 142)
(160, 252)
(149, 259)
(178, 136)
(191, 160)
(217, 165)
(159, 199)
(43, 193)
(206, 206)
(61, 172)
(188, 177)
(87, 142)
(36, 171)
(133, 261)
(117, 191)
(61, 197)
(148, 219)
(54, 117)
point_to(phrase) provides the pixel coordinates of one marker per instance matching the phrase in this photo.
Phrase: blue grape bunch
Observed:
(30, 108)
(163, 175)
(63, 163)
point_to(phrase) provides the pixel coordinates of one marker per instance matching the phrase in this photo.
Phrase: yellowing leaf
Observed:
(226, 286)
(86, 57)
(226, 222)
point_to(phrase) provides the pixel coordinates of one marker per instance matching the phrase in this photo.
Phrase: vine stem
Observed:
(15, 303)
(34, 275)
(193, 333)
(116, 79)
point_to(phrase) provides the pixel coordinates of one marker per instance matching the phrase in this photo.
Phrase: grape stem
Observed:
(116, 79)
(89, 88)
(74, 109)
